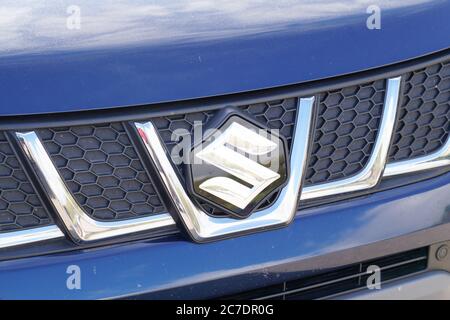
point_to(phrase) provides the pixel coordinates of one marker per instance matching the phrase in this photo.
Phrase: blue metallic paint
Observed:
(138, 52)
(206, 270)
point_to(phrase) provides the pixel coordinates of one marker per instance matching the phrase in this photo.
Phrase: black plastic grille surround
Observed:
(101, 168)
(20, 207)
(424, 114)
(347, 124)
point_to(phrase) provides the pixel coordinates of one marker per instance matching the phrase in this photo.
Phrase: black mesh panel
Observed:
(346, 129)
(103, 171)
(424, 114)
(20, 207)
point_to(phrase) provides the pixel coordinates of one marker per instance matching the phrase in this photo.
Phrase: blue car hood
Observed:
(134, 52)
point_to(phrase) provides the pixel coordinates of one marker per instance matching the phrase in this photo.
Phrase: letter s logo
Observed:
(220, 154)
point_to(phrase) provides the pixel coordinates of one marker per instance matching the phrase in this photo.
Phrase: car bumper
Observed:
(170, 267)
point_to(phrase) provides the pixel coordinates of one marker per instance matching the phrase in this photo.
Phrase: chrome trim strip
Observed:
(15, 238)
(439, 158)
(80, 226)
(372, 172)
(203, 227)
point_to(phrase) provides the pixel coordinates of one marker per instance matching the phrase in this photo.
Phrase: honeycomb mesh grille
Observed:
(103, 171)
(347, 123)
(173, 129)
(424, 115)
(20, 207)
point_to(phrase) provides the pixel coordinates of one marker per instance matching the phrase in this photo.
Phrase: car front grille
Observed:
(112, 179)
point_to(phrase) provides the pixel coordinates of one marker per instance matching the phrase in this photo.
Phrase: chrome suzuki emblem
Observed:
(237, 166)
(220, 153)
